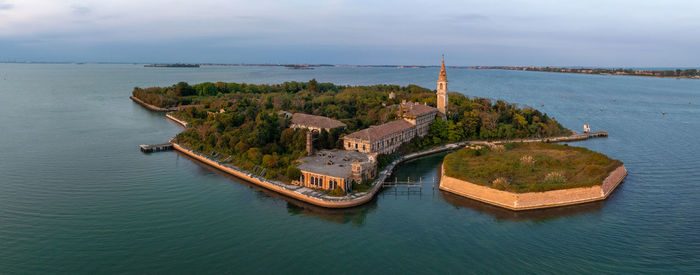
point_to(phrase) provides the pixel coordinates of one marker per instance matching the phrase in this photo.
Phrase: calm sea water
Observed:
(77, 195)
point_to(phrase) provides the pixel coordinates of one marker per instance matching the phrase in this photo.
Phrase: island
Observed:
(175, 65)
(524, 176)
(333, 145)
(677, 73)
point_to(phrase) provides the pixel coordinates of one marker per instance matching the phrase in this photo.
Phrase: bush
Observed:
(509, 145)
(527, 160)
(555, 178)
(337, 192)
(293, 173)
(500, 183)
(361, 187)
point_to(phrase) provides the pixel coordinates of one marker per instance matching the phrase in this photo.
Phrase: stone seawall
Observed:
(179, 121)
(159, 109)
(149, 106)
(280, 187)
(533, 200)
(297, 192)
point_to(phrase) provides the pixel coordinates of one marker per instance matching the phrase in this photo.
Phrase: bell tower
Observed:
(442, 90)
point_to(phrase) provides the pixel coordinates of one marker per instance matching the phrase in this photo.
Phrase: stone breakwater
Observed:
(533, 200)
(309, 195)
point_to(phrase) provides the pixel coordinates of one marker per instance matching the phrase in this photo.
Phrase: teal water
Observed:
(77, 196)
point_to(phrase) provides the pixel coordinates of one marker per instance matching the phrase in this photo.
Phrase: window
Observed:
(349, 144)
(355, 145)
(363, 147)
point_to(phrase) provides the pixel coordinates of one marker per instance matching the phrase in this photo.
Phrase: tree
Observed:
(293, 173)
(323, 139)
(184, 89)
(270, 161)
(312, 86)
(254, 155)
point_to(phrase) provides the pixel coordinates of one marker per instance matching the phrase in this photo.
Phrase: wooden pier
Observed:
(156, 147)
(411, 186)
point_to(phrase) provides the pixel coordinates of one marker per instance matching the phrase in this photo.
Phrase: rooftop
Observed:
(379, 131)
(414, 109)
(335, 163)
(316, 121)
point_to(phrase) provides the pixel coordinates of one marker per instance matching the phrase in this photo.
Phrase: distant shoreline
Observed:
(305, 66)
(677, 73)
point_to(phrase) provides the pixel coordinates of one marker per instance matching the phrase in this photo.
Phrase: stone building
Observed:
(415, 121)
(380, 139)
(314, 123)
(442, 90)
(331, 169)
(420, 115)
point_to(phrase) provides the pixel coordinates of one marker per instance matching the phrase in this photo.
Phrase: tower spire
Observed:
(443, 73)
(442, 89)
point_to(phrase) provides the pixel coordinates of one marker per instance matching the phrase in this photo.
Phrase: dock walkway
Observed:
(156, 147)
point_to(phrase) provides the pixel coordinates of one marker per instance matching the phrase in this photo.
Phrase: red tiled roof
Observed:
(416, 109)
(316, 121)
(379, 131)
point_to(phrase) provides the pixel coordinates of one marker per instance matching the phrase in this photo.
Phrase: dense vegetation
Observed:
(529, 167)
(250, 132)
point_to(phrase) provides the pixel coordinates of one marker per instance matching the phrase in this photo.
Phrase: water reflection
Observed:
(527, 215)
(355, 215)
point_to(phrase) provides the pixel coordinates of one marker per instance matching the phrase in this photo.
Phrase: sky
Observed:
(539, 33)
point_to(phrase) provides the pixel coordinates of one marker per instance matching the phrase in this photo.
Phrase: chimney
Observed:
(309, 144)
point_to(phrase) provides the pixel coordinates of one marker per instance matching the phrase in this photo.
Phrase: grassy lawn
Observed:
(530, 167)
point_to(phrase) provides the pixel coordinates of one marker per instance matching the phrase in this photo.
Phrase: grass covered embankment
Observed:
(529, 167)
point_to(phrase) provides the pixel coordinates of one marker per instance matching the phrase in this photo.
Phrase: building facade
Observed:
(331, 169)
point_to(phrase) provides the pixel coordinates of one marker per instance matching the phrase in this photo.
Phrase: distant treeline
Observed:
(686, 73)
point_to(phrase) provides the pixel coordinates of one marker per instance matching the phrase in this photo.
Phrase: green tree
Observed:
(293, 173)
(254, 155)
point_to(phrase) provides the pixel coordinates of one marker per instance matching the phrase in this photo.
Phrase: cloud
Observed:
(513, 30)
(80, 10)
(5, 6)
(470, 17)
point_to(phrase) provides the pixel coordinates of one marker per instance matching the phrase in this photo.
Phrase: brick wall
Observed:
(533, 200)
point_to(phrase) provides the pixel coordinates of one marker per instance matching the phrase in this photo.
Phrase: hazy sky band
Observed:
(587, 33)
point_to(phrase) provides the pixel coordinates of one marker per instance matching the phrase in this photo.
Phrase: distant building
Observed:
(331, 169)
(586, 128)
(392, 95)
(314, 123)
